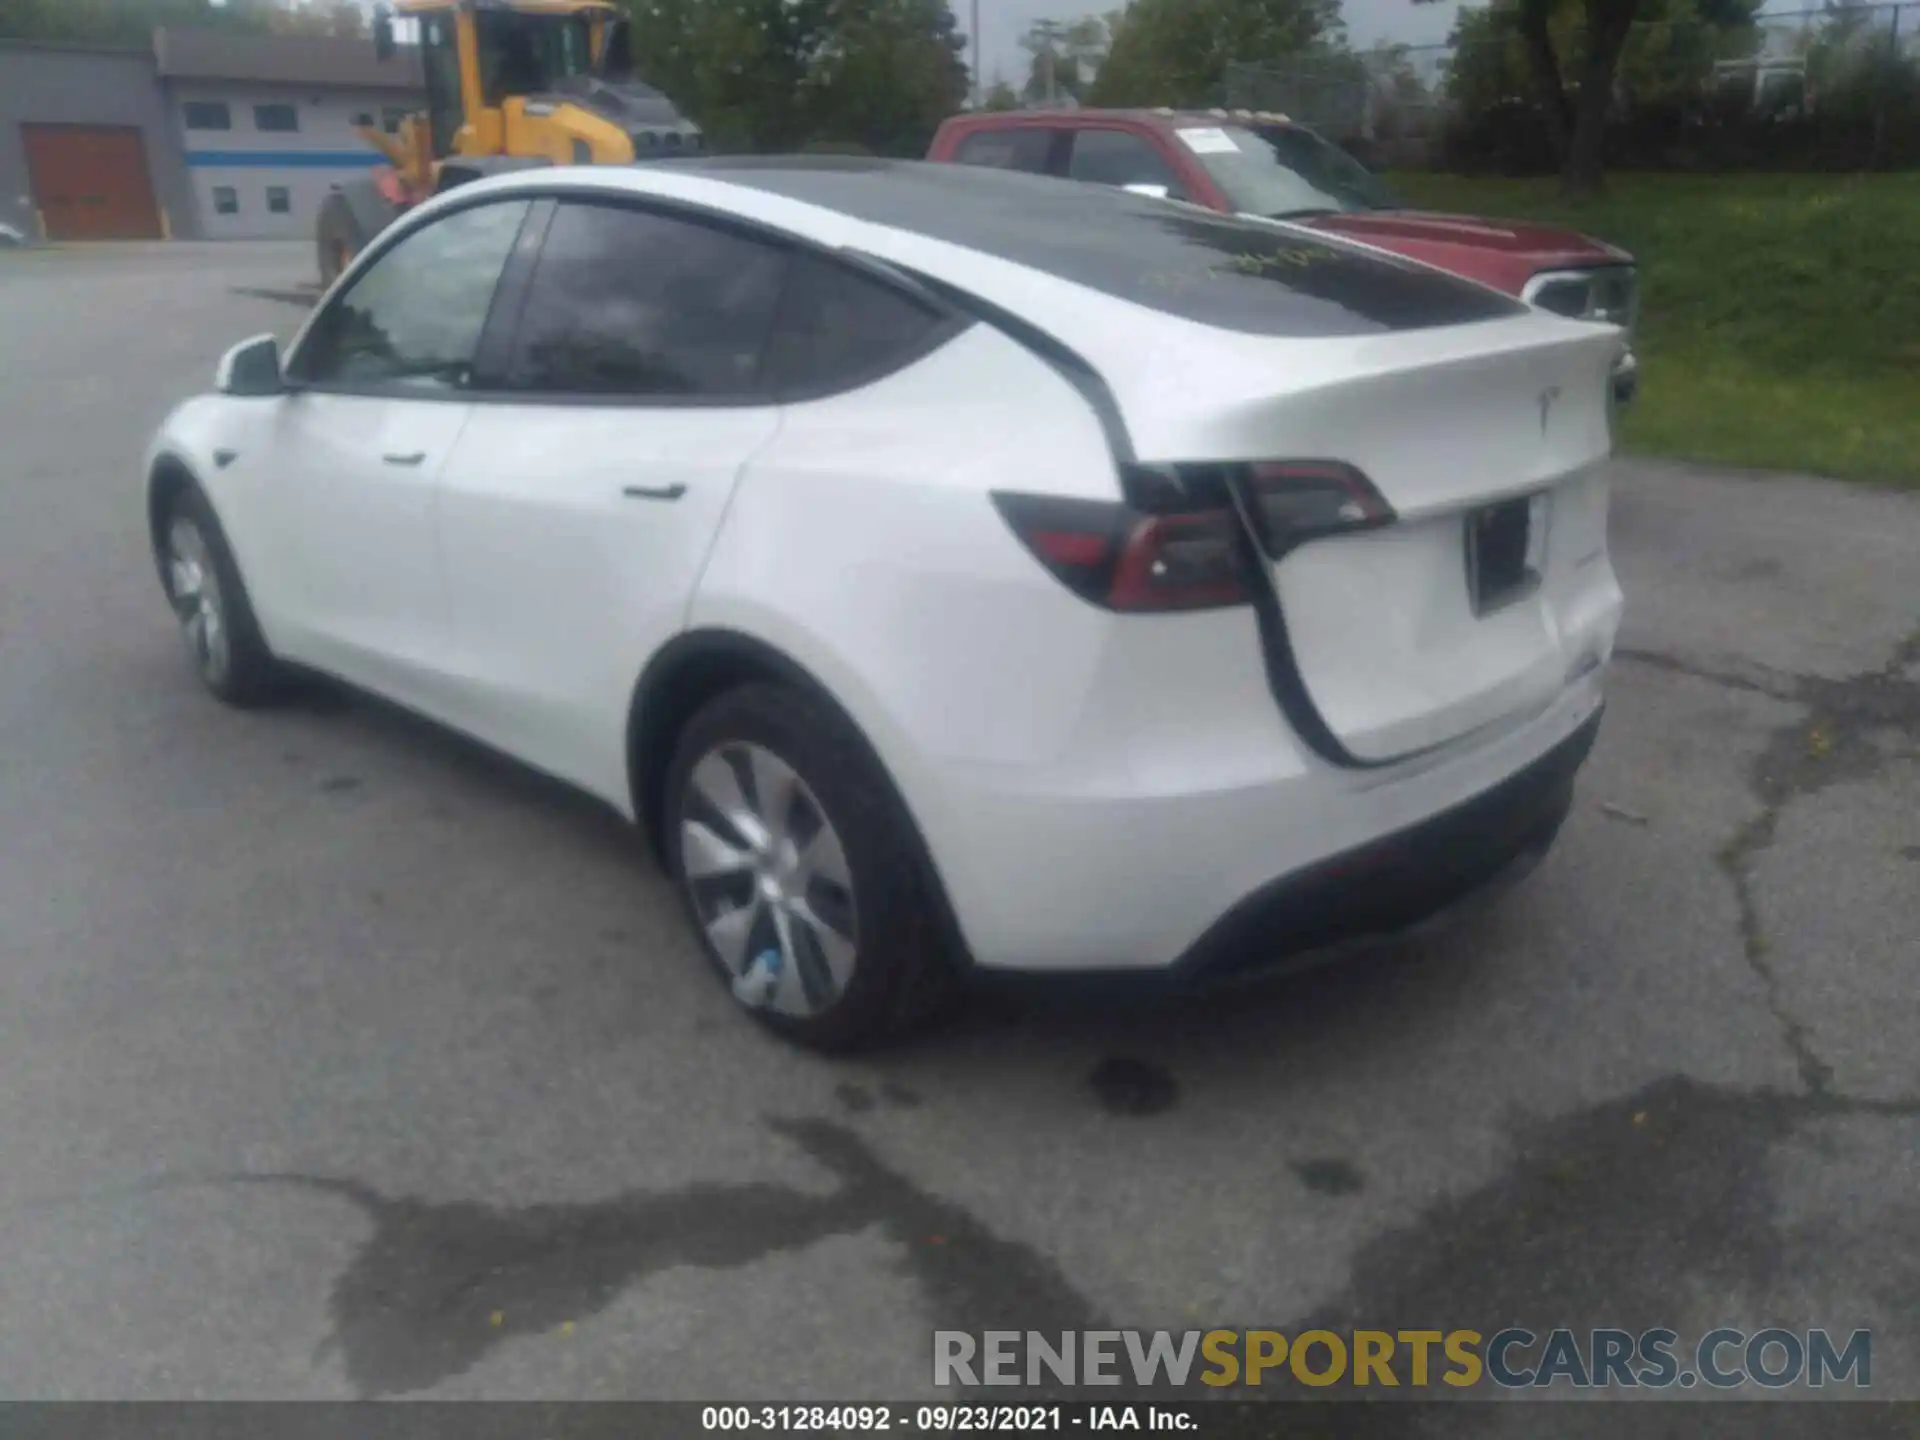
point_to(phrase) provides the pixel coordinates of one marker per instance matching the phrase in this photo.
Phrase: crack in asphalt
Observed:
(1833, 742)
(1761, 681)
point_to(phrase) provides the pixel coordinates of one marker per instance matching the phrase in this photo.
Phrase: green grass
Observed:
(1780, 314)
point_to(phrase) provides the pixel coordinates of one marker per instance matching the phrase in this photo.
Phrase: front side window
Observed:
(278, 119)
(207, 115)
(1024, 147)
(1121, 158)
(629, 302)
(412, 322)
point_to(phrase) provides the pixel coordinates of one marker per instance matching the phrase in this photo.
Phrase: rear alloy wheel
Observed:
(795, 863)
(767, 876)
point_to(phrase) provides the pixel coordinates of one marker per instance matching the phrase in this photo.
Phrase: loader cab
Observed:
(529, 54)
(477, 55)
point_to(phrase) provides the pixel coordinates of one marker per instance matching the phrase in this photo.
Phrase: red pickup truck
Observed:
(1263, 165)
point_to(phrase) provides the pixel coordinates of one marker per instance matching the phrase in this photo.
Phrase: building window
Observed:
(226, 200)
(279, 202)
(363, 119)
(276, 118)
(207, 115)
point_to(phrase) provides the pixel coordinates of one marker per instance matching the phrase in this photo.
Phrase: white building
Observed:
(267, 123)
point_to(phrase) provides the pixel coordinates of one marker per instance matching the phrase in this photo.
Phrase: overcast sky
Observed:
(1003, 22)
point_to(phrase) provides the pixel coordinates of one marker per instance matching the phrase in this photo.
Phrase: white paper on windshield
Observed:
(1210, 140)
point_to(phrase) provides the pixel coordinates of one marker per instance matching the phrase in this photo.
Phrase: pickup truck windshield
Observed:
(1282, 171)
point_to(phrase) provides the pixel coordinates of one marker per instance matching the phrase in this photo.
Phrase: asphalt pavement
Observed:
(340, 1059)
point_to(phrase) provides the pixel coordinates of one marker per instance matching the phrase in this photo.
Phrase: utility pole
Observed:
(979, 61)
(1044, 38)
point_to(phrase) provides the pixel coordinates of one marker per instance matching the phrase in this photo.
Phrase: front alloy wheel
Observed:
(768, 879)
(194, 583)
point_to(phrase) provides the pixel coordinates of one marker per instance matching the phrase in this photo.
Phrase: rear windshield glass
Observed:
(1235, 274)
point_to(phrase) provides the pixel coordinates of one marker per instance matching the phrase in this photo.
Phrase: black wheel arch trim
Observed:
(655, 717)
(165, 464)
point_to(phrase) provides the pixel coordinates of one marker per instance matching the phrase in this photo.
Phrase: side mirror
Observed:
(1152, 192)
(383, 33)
(250, 368)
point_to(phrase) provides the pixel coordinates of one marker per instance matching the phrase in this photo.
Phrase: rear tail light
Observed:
(1294, 501)
(1181, 539)
(1110, 553)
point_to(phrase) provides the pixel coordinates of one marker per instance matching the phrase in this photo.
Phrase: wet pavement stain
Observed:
(438, 1285)
(1610, 1215)
(1133, 1087)
(856, 1098)
(898, 1095)
(1330, 1176)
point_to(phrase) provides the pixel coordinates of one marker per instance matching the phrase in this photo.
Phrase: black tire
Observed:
(241, 671)
(902, 973)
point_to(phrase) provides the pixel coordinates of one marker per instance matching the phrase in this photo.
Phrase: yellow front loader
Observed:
(509, 84)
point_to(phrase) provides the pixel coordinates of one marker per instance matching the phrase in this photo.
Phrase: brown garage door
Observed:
(90, 182)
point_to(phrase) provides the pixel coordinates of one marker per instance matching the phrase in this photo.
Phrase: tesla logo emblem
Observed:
(1547, 397)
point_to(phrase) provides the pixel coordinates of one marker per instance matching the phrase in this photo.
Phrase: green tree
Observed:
(125, 22)
(1001, 96)
(1575, 56)
(890, 73)
(1663, 55)
(342, 19)
(1064, 57)
(785, 74)
(1176, 52)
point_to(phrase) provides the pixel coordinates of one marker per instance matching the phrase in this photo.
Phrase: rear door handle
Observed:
(654, 492)
(414, 458)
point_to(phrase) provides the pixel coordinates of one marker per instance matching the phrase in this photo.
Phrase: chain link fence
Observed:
(1838, 87)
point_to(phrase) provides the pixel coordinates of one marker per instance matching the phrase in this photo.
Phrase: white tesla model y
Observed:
(951, 570)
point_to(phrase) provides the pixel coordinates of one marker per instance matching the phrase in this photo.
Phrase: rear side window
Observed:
(1025, 148)
(1121, 158)
(631, 302)
(838, 328)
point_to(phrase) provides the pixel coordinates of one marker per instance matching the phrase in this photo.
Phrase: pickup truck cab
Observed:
(1264, 165)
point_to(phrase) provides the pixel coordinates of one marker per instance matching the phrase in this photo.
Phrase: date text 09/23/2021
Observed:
(948, 1419)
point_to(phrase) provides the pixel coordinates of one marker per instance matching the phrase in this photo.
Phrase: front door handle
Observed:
(413, 458)
(654, 492)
